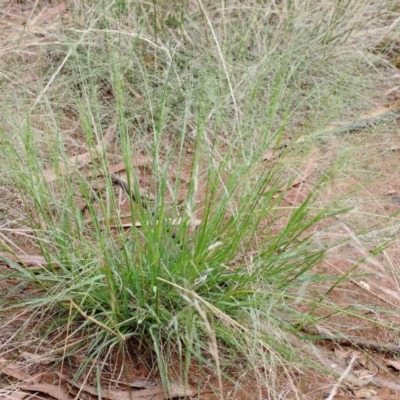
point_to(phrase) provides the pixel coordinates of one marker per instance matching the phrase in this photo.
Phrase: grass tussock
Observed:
(203, 90)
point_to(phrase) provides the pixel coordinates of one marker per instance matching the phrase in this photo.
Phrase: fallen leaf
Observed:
(342, 354)
(363, 359)
(136, 162)
(372, 367)
(12, 370)
(14, 395)
(270, 154)
(305, 175)
(364, 374)
(311, 167)
(353, 381)
(393, 363)
(57, 392)
(364, 393)
(33, 261)
(357, 355)
(154, 393)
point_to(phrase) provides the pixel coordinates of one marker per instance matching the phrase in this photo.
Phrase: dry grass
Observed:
(204, 89)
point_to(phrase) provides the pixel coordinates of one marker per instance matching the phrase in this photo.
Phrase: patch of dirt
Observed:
(371, 185)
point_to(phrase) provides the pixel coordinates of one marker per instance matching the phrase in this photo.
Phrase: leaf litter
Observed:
(33, 384)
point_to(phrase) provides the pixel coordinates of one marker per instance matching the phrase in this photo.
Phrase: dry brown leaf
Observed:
(9, 395)
(27, 259)
(364, 393)
(364, 374)
(365, 360)
(154, 393)
(33, 261)
(392, 363)
(140, 162)
(57, 392)
(305, 175)
(270, 154)
(12, 370)
(372, 367)
(83, 159)
(311, 167)
(358, 382)
(341, 353)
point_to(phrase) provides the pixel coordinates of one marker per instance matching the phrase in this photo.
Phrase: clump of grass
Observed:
(232, 82)
(164, 285)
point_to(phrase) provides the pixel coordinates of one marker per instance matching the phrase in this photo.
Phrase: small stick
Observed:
(350, 341)
(116, 180)
(362, 123)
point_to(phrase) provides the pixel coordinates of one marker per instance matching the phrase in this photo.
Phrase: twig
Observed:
(316, 335)
(344, 374)
(361, 124)
(116, 180)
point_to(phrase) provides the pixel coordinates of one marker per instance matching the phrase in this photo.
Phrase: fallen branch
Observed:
(316, 335)
(391, 115)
